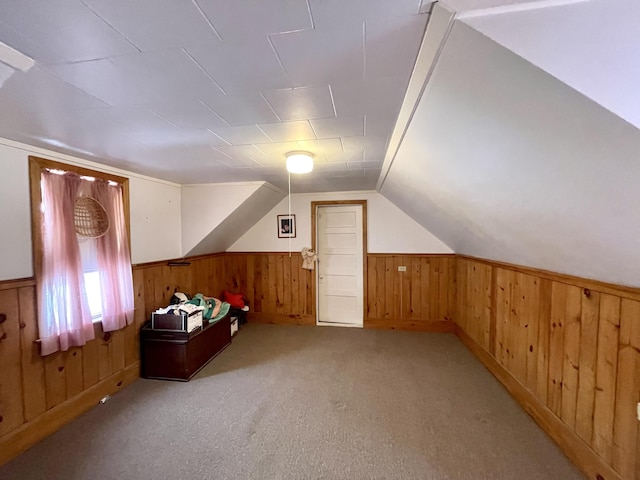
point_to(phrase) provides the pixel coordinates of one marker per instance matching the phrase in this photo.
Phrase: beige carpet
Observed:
(309, 403)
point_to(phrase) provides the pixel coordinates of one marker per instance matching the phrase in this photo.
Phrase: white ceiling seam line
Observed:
(395, 147)
(206, 19)
(118, 32)
(517, 7)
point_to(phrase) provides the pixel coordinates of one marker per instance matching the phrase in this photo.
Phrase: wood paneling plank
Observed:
(296, 266)
(434, 289)
(425, 295)
(11, 399)
(117, 350)
(32, 364)
(625, 424)
(90, 369)
(415, 286)
(606, 370)
(544, 327)
(271, 293)
(556, 346)
(589, 317)
(381, 286)
(571, 366)
(531, 318)
(55, 379)
(104, 358)
(286, 269)
(73, 371)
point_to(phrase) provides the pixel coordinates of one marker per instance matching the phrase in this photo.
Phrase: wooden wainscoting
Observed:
(420, 298)
(38, 395)
(568, 349)
(279, 290)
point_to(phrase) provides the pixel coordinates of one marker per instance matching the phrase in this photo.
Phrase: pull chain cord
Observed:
(290, 222)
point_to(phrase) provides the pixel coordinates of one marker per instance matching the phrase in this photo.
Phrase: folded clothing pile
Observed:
(212, 308)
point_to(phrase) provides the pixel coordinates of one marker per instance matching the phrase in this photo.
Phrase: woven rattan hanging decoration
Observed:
(90, 218)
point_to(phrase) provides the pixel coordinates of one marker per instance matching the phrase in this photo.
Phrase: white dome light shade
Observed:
(299, 162)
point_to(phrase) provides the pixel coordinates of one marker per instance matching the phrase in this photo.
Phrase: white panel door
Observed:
(340, 257)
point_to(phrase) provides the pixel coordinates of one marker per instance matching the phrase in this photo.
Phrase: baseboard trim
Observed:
(280, 319)
(437, 326)
(14, 443)
(573, 446)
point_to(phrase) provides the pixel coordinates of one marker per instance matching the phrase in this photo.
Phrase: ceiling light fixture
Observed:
(299, 162)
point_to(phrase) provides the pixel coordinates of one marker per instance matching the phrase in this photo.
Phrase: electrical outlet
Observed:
(402, 268)
(638, 410)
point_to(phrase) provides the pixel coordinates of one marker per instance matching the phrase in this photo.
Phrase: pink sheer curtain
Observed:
(64, 317)
(114, 260)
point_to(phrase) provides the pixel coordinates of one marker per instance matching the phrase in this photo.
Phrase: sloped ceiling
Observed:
(214, 216)
(504, 161)
(592, 46)
(199, 91)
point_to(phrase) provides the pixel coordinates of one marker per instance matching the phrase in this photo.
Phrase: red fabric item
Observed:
(234, 299)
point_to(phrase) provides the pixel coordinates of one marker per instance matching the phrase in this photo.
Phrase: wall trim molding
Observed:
(17, 283)
(434, 326)
(282, 319)
(604, 287)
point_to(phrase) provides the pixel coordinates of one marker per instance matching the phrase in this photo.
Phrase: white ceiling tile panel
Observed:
(301, 103)
(330, 167)
(238, 21)
(40, 52)
(339, 12)
(327, 146)
(381, 95)
(392, 45)
(378, 125)
(244, 154)
(68, 27)
(170, 74)
(288, 131)
(314, 57)
(242, 134)
(155, 24)
(117, 121)
(188, 114)
(277, 149)
(39, 91)
(159, 76)
(341, 126)
(367, 143)
(347, 156)
(102, 79)
(364, 165)
(274, 83)
(202, 137)
(245, 109)
(238, 68)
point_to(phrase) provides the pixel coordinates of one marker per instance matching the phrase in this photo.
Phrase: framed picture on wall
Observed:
(286, 226)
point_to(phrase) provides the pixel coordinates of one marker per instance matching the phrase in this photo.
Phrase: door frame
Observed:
(314, 277)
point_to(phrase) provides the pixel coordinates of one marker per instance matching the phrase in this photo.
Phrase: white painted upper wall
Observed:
(204, 207)
(155, 211)
(590, 45)
(214, 216)
(504, 161)
(389, 229)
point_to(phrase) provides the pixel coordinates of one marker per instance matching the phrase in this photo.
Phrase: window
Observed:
(81, 253)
